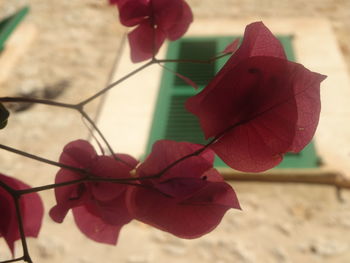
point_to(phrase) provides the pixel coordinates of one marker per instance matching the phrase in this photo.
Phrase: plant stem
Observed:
(207, 61)
(13, 260)
(41, 159)
(84, 102)
(50, 186)
(39, 101)
(26, 256)
(87, 117)
(9, 189)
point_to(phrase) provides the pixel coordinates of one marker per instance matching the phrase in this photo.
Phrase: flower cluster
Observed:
(190, 192)
(99, 208)
(155, 21)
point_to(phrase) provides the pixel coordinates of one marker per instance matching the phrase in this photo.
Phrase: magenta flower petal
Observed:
(107, 167)
(77, 153)
(191, 218)
(278, 119)
(99, 207)
(131, 161)
(31, 210)
(133, 12)
(173, 17)
(180, 188)
(94, 227)
(189, 199)
(67, 197)
(257, 41)
(155, 21)
(142, 42)
(267, 105)
(232, 47)
(165, 152)
(8, 219)
(113, 212)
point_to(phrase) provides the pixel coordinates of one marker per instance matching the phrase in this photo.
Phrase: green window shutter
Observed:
(171, 120)
(8, 25)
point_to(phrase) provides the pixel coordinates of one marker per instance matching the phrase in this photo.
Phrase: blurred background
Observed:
(71, 50)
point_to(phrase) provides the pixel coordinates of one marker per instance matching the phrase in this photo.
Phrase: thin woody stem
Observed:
(39, 101)
(8, 188)
(87, 117)
(50, 186)
(206, 61)
(13, 260)
(26, 256)
(92, 123)
(80, 105)
(84, 102)
(41, 159)
(92, 178)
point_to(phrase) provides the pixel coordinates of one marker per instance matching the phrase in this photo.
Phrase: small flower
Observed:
(260, 105)
(188, 200)
(156, 20)
(99, 208)
(31, 209)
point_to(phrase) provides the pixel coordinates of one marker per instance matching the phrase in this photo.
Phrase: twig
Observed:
(41, 159)
(206, 61)
(39, 101)
(84, 102)
(13, 260)
(26, 256)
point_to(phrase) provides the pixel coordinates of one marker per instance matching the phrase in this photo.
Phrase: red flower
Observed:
(259, 106)
(189, 200)
(99, 208)
(31, 211)
(156, 20)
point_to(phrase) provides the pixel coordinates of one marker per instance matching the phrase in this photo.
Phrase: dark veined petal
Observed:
(8, 219)
(165, 152)
(68, 196)
(188, 200)
(172, 17)
(107, 167)
(144, 40)
(232, 47)
(78, 153)
(190, 218)
(32, 211)
(257, 41)
(155, 21)
(133, 12)
(94, 227)
(268, 106)
(113, 212)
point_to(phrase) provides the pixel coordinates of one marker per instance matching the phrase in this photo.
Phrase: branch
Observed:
(39, 101)
(26, 256)
(50, 186)
(206, 61)
(41, 159)
(81, 104)
(13, 260)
